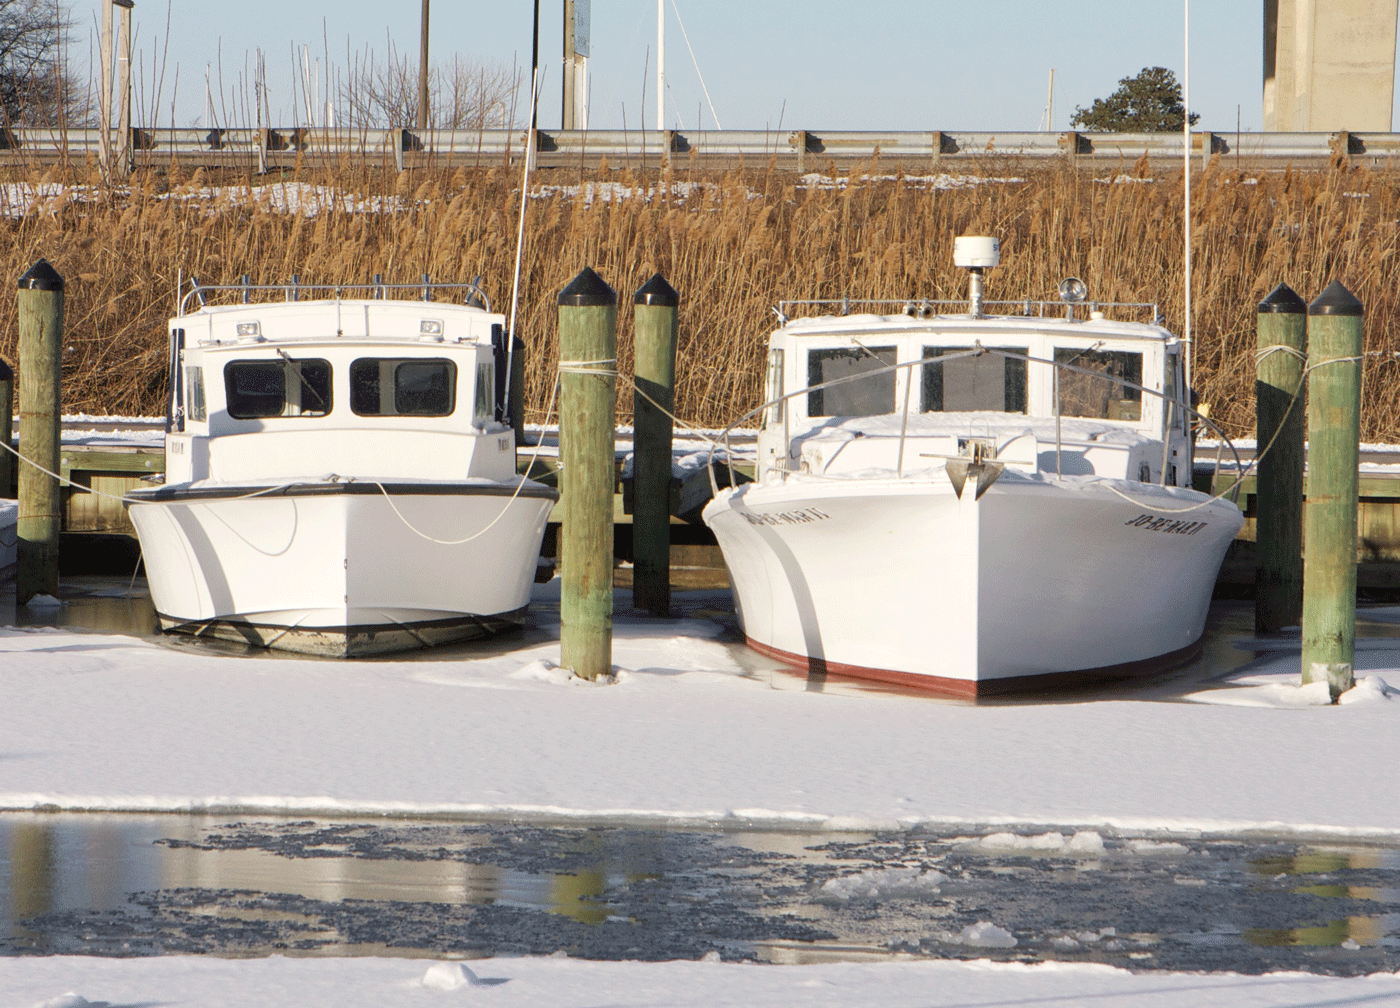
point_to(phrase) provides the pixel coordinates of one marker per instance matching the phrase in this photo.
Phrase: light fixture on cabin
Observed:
(247, 330)
(1073, 290)
(430, 327)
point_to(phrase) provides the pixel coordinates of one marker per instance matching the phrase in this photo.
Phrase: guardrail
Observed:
(799, 150)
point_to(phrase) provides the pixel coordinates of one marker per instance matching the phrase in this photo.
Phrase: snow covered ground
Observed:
(72, 982)
(694, 730)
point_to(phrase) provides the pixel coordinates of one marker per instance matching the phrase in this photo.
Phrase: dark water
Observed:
(159, 885)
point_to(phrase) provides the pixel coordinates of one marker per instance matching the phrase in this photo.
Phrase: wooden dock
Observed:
(115, 466)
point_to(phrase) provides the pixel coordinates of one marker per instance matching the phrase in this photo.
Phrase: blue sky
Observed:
(882, 64)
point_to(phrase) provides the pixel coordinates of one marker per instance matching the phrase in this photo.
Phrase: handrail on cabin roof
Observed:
(293, 290)
(922, 307)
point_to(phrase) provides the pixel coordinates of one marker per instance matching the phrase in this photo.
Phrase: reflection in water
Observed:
(104, 604)
(31, 870)
(1353, 931)
(149, 885)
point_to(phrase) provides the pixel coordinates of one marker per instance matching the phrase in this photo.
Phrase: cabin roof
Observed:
(358, 320)
(903, 325)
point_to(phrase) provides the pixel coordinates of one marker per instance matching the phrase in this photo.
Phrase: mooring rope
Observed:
(1259, 457)
(549, 411)
(65, 481)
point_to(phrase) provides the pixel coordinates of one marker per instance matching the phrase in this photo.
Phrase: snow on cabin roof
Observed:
(396, 320)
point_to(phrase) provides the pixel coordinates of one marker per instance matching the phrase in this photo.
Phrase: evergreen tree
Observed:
(1147, 103)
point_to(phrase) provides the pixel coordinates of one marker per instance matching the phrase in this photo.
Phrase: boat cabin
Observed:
(1049, 395)
(381, 389)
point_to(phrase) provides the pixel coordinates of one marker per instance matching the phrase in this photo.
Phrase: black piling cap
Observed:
(587, 290)
(6, 372)
(1283, 300)
(41, 276)
(657, 291)
(1335, 300)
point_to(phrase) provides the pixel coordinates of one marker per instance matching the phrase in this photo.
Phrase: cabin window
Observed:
(194, 394)
(968, 384)
(485, 407)
(397, 386)
(1102, 394)
(255, 389)
(774, 413)
(872, 396)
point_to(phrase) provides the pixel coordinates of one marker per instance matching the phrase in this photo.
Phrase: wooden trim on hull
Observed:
(968, 689)
(358, 641)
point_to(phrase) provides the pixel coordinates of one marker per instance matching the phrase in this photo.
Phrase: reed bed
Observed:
(732, 243)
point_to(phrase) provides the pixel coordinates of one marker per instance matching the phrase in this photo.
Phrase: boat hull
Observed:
(1034, 585)
(342, 570)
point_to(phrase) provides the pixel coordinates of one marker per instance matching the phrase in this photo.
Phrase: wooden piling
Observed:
(1329, 527)
(40, 312)
(1278, 542)
(653, 402)
(587, 400)
(7, 433)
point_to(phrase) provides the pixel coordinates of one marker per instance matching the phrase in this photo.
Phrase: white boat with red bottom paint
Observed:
(971, 503)
(340, 476)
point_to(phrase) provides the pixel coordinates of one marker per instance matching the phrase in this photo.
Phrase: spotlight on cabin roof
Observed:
(1073, 290)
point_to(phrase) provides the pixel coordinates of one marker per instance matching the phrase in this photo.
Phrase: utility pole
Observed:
(423, 71)
(566, 111)
(577, 15)
(125, 163)
(660, 64)
(104, 93)
(535, 71)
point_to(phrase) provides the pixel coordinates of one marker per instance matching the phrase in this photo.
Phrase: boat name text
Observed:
(1154, 524)
(799, 517)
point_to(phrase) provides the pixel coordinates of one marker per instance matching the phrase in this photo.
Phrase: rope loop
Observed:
(1268, 351)
(592, 367)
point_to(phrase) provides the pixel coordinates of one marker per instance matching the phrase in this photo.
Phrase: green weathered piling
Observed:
(7, 433)
(40, 312)
(1329, 527)
(587, 399)
(654, 400)
(1278, 542)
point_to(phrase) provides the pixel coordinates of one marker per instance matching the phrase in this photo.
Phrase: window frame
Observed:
(1075, 356)
(931, 351)
(395, 391)
(285, 364)
(817, 397)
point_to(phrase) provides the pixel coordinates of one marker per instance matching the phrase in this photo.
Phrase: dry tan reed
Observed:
(733, 244)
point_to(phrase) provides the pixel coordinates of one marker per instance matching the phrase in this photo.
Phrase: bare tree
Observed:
(35, 86)
(463, 95)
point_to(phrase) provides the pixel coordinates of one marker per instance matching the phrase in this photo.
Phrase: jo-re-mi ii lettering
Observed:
(799, 517)
(1158, 524)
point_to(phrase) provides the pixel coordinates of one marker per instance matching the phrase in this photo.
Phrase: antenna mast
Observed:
(1186, 173)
